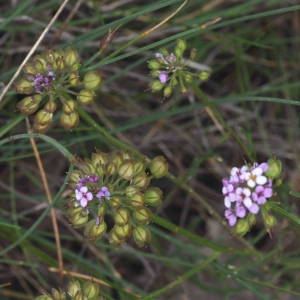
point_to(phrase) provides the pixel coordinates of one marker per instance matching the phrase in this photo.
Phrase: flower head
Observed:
(163, 77)
(83, 196)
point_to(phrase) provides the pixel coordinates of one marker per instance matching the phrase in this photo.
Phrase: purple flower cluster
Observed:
(248, 188)
(86, 190)
(42, 81)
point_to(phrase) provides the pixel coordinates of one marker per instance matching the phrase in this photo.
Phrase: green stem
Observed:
(182, 278)
(115, 142)
(229, 129)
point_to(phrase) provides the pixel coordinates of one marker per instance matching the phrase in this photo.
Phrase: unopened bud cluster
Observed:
(52, 74)
(169, 69)
(88, 291)
(247, 192)
(119, 182)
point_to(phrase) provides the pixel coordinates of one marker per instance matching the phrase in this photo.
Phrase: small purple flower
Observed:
(261, 193)
(238, 175)
(171, 58)
(231, 215)
(81, 182)
(93, 178)
(158, 54)
(39, 78)
(83, 196)
(255, 177)
(228, 191)
(163, 77)
(104, 192)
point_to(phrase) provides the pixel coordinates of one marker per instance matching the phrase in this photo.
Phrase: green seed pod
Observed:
(168, 91)
(78, 219)
(69, 107)
(137, 200)
(71, 56)
(29, 69)
(123, 232)
(101, 170)
(117, 157)
(24, 86)
(29, 104)
(174, 82)
(39, 64)
(139, 164)
(75, 175)
(188, 77)
(115, 202)
(127, 155)
(181, 43)
(58, 295)
(114, 241)
(269, 221)
(131, 190)
(101, 213)
(156, 86)
(60, 63)
(242, 227)
(141, 180)
(193, 53)
(251, 219)
(58, 53)
(274, 169)
(153, 196)
(142, 216)
(204, 75)
(159, 167)
(42, 117)
(154, 65)
(90, 289)
(69, 121)
(111, 169)
(90, 165)
(73, 287)
(122, 217)
(50, 107)
(39, 128)
(164, 51)
(141, 236)
(79, 296)
(93, 231)
(74, 78)
(154, 73)
(44, 297)
(178, 53)
(86, 97)
(126, 169)
(99, 158)
(93, 80)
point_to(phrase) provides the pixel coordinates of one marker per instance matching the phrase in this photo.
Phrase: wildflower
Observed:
(83, 196)
(104, 192)
(261, 193)
(255, 176)
(163, 77)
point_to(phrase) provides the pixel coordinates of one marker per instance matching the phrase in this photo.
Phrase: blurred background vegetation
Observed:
(253, 54)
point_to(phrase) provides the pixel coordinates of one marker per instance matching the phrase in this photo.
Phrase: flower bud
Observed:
(183, 89)
(181, 43)
(204, 75)
(123, 232)
(168, 91)
(99, 158)
(274, 169)
(154, 65)
(29, 69)
(71, 56)
(114, 240)
(156, 86)
(122, 217)
(60, 63)
(188, 77)
(141, 180)
(69, 121)
(93, 231)
(79, 219)
(111, 169)
(24, 87)
(154, 73)
(178, 52)
(193, 53)
(142, 216)
(141, 235)
(242, 227)
(137, 200)
(73, 287)
(115, 202)
(153, 196)
(126, 169)
(174, 82)
(269, 221)
(139, 164)
(42, 117)
(101, 170)
(159, 167)
(131, 190)
(69, 107)
(164, 51)
(86, 97)
(90, 289)
(74, 78)
(29, 105)
(50, 107)
(93, 80)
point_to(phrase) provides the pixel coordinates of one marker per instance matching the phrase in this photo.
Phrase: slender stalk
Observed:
(229, 129)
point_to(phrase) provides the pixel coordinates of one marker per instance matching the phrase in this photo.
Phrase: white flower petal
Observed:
(247, 202)
(251, 183)
(227, 202)
(261, 180)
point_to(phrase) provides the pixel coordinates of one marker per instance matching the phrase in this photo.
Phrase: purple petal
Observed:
(264, 166)
(104, 189)
(100, 194)
(232, 220)
(261, 200)
(89, 196)
(227, 202)
(228, 213)
(78, 196)
(254, 208)
(240, 211)
(83, 189)
(268, 192)
(247, 202)
(83, 202)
